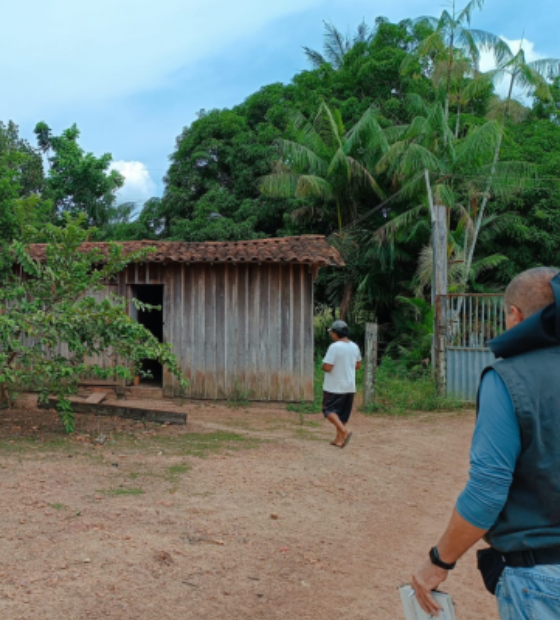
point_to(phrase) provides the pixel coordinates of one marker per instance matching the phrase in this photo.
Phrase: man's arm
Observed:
(358, 365)
(458, 538)
(496, 446)
(330, 359)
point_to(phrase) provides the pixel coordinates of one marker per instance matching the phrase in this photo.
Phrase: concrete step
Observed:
(147, 392)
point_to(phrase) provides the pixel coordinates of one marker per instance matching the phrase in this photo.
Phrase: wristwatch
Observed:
(437, 561)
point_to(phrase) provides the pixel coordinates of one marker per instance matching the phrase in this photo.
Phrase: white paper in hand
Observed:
(413, 611)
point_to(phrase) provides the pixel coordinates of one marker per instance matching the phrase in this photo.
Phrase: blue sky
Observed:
(133, 73)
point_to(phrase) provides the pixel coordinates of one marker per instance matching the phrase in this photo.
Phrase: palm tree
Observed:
(465, 84)
(452, 34)
(337, 45)
(325, 162)
(456, 250)
(459, 169)
(532, 79)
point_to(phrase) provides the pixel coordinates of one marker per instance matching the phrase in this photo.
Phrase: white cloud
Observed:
(139, 185)
(488, 63)
(61, 52)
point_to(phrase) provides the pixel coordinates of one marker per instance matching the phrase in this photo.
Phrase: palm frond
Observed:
(487, 264)
(529, 79)
(339, 167)
(549, 68)
(417, 105)
(363, 176)
(417, 129)
(394, 133)
(502, 52)
(513, 109)
(366, 134)
(279, 185)
(400, 223)
(510, 177)
(300, 158)
(432, 45)
(309, 185)
(466, 41)
(476, 87)
(336, 45)
(327, 127)
(497, 224)
(363, 33)
(428, 20)
(479, 146)
(315, 58)
(306, 135)
(466, 14)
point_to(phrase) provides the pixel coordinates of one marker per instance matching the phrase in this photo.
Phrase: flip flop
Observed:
(347, 440)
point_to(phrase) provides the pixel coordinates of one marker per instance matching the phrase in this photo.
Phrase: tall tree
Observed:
(325, 162)
(21, 179)
(531, 78)
(78, 182)
(459, 170)
(452, 33)
(336, 45)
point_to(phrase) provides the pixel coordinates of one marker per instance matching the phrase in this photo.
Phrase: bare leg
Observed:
(341, 430)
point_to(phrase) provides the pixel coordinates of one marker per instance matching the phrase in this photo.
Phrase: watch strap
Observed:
(437, 561)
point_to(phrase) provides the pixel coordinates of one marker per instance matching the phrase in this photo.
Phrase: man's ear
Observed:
(515, 316)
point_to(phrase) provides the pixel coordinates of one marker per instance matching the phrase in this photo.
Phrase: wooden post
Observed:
(433, 223)
(439, 240)
(370, 357)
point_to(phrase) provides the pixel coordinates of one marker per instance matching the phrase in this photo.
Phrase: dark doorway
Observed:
(152, 320)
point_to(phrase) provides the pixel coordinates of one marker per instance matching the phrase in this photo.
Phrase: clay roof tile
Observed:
(306, 249)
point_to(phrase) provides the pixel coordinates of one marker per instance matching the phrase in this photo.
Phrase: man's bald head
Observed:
(530, 291)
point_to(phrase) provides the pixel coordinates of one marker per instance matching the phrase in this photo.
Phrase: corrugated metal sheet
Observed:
(464, 367)
(236, 329)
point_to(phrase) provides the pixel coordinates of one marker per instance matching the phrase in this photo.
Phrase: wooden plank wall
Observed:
(237, 330)
(105, 361)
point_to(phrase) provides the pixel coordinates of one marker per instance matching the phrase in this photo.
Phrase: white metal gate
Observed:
(471, 322)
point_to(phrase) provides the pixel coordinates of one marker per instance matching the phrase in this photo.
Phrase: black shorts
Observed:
(341, 404)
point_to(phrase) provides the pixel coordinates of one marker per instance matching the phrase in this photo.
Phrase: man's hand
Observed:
(427, 578)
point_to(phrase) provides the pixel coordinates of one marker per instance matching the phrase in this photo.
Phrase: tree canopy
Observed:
(340, 150)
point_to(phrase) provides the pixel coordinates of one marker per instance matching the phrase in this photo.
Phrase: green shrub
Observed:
(399, 391)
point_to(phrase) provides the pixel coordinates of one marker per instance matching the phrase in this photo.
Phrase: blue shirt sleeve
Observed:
(496, 446)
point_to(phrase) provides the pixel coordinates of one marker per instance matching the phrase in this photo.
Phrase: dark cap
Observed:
(339, 326)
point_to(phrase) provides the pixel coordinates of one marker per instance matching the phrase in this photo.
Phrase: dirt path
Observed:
(242, 515)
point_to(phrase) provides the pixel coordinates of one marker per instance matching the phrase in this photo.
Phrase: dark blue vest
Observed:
(531, 517)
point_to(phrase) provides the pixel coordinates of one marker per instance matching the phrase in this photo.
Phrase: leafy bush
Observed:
(45, 305)
(400, 391)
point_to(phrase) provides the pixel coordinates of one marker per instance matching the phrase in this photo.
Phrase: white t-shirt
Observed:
(342, 378)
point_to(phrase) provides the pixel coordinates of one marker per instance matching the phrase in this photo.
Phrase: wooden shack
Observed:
(238, 314)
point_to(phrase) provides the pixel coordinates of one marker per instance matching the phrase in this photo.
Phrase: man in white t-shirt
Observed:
(342, 360)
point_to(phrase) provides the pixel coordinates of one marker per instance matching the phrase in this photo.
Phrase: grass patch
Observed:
(202, 444)
(177, 470)
(239, 396)
(186, 444)
(57, 506)
(31, 444)
(122, 491)
(401, 392)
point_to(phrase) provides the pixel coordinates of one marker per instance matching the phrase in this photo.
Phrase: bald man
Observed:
(512, 498)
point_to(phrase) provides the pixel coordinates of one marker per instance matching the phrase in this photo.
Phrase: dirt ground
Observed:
(245, 513)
